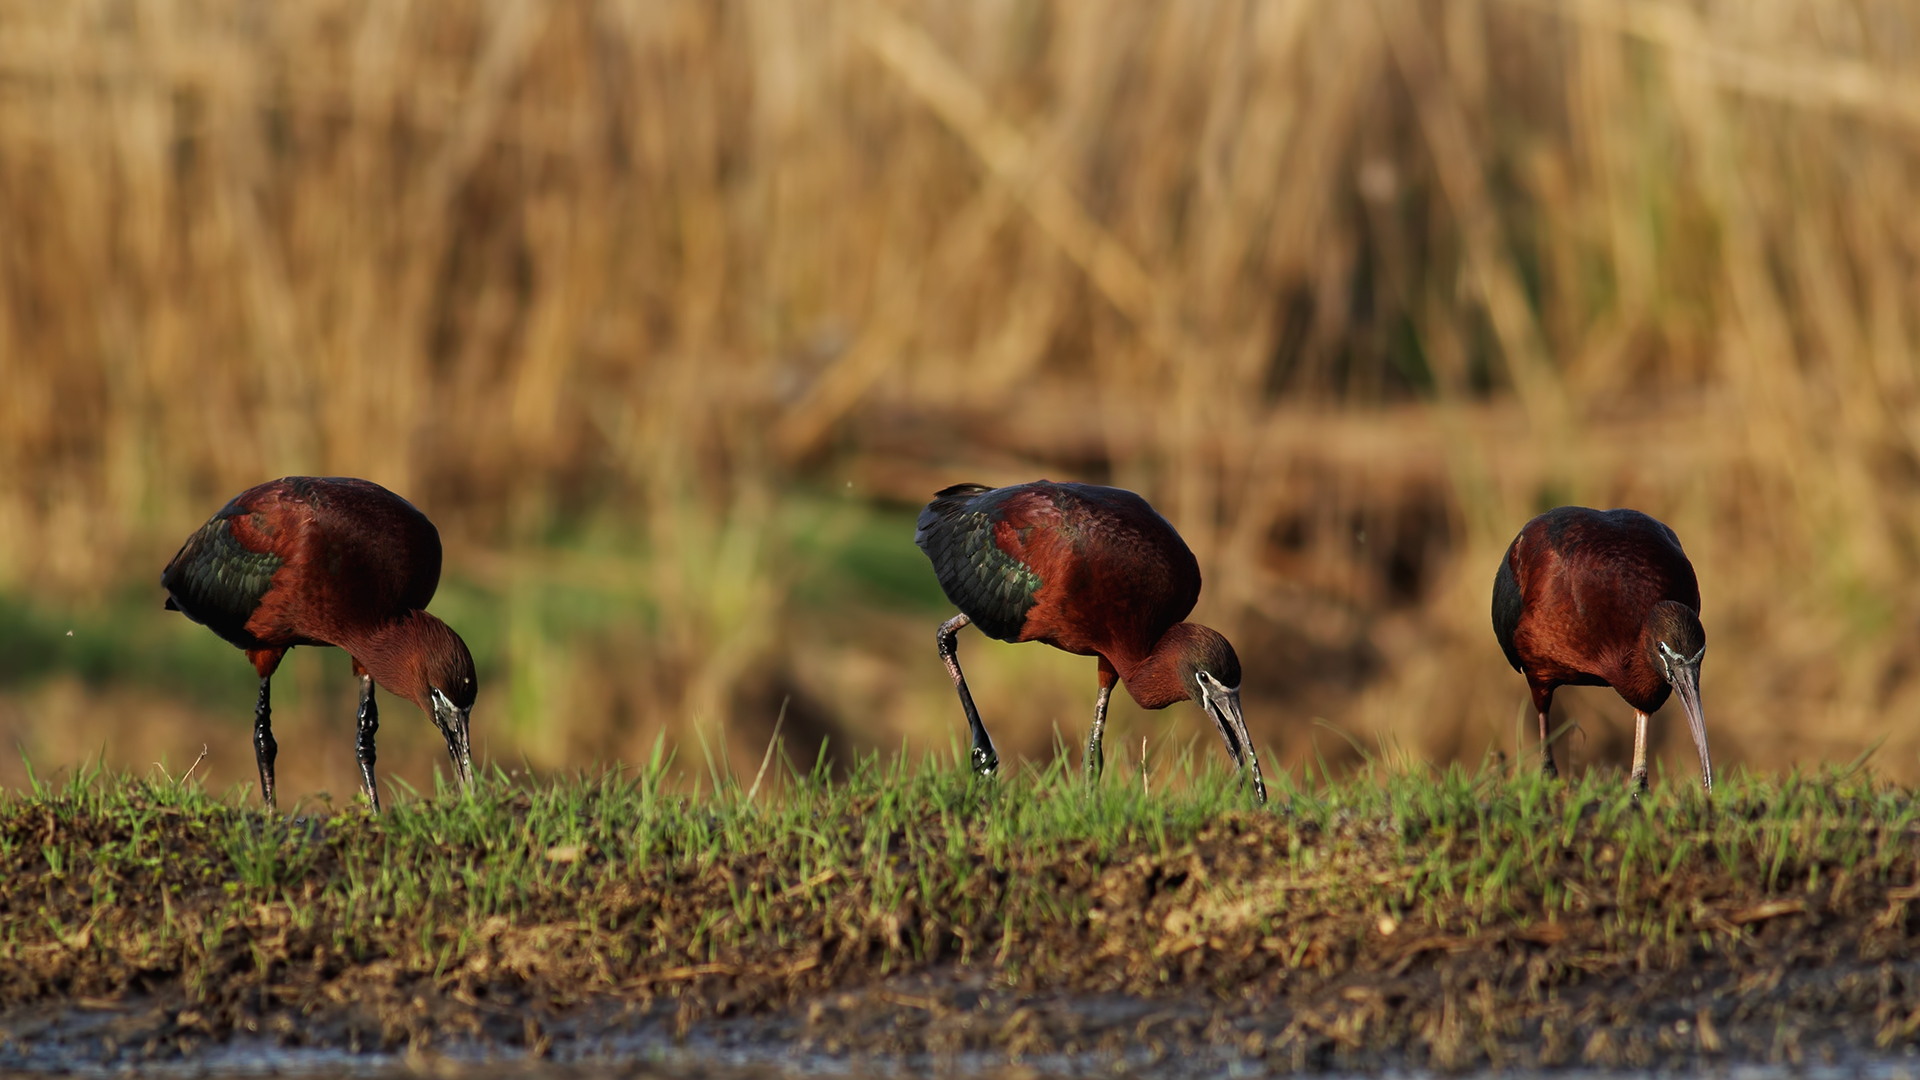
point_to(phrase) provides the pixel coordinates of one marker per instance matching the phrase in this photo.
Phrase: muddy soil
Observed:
(1780, 927)
(1702, 1018)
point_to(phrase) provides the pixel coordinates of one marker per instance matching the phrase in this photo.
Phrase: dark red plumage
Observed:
(1091, 570)
(1603, 598)
(330, 561)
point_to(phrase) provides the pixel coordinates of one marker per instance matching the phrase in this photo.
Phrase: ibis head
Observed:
(421, 658)
(1210, 671)
(1675, 642)
(451, 689)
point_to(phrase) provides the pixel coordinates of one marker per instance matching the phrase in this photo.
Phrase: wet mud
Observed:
(1442, 1012)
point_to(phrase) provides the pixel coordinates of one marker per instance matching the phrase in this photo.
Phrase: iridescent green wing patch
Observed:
(993, 588)
(216, 580)
(1003, 585)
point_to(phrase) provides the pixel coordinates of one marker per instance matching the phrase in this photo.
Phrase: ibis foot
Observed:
(985, 761)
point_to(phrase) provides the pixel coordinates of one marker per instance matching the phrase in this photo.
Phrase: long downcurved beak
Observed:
(1686, 683)
(453, 724)
(1224, 707)
(1228, 734)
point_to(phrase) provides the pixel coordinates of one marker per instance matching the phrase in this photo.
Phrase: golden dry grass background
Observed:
(641, 301)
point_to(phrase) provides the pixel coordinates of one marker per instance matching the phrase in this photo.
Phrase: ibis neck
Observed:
(395, 653)
(1156, 682)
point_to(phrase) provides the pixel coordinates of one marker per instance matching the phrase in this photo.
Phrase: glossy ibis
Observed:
(330, 561)
(1091, 570)
(1604, 598)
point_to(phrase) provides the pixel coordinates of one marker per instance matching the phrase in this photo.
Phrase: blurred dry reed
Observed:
(1350, 290)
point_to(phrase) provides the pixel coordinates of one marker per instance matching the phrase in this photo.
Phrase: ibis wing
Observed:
(994, 589)
(219, 581)
(1507, 605)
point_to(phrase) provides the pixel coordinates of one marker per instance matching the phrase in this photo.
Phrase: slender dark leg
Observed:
(1095, 760)
(1637, 780)
(985, 761)
(1543, 704)
(363, 741)
(265, 750)
(265, 662)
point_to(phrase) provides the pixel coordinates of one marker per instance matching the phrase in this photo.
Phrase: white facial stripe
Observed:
(1218, 699)
(1668, 658)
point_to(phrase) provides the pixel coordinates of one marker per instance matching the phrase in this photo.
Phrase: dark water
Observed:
(82, 1043)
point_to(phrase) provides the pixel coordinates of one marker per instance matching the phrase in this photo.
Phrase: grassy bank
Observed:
(1444, 917)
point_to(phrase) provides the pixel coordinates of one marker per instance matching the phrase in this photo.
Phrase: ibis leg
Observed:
(1546, 750)
(1637, 780)
(369, 723)
(1095, 760)
(265, 663)
(985, 761)
(1543, 705)
(265, 750)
